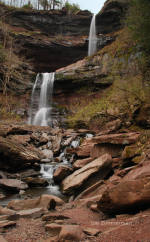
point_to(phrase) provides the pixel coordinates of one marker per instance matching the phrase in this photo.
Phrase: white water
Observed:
(92, 38)
(47, 171)
(42, 116)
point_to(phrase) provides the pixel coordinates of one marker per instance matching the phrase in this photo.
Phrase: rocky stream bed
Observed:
(78, 185)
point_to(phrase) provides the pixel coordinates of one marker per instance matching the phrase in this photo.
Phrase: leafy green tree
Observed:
(72, 8)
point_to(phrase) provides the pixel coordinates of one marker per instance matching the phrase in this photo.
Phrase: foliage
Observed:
(28, 5)
(72, 8)
(35, 4)
(121, 98)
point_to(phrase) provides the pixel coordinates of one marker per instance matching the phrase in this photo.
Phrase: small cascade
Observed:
(40, 112)
(92, 37)
(47, 171)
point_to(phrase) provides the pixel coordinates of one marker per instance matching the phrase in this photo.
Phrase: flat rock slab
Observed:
(31, 213)
(43, 201)
(7, 223)
(79, 177)
(13, 185)
(120, 139)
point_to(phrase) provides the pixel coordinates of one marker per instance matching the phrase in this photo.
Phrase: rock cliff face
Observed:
(110, 17)
(48, 40)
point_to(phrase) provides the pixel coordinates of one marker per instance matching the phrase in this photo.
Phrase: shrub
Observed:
(72, 8)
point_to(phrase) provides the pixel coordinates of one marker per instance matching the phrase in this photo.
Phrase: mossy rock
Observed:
(78, 124)
(131, 151)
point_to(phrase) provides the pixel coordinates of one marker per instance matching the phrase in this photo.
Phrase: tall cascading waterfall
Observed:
(92, 37)
(43, 87)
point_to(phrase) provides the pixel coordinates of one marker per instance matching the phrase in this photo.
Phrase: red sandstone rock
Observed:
(79, 177)
(61, 172)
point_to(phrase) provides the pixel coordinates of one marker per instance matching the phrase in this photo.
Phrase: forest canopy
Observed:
(42, 4)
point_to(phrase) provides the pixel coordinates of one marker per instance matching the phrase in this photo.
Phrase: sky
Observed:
(92, 5)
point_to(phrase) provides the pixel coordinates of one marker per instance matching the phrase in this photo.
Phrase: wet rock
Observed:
(80, 163)
(68, 141)
(48, 154)
(56, 142)
(71, 233)
(100, 166)
(28, 173)
(43, 201)
(36, 181)
(15, 154)
(84, 149)
(126, 196)
(13, 185)
(61, 172)
(119, 139)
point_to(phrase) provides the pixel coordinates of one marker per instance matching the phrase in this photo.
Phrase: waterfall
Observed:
(92, 38)
(43, 87)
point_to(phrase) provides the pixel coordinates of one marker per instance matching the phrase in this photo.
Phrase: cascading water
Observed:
(42, 117)
(92, 37)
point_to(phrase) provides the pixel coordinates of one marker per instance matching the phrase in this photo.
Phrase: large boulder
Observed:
(100, 166)
(133, 191)
(126, 196)
(15, 155)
